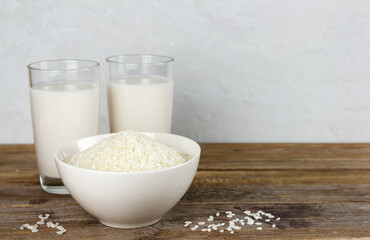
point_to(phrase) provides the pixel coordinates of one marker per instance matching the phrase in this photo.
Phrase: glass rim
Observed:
(94, 64)
(166, 60)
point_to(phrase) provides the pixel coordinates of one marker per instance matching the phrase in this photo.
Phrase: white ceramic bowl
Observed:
(128, 200)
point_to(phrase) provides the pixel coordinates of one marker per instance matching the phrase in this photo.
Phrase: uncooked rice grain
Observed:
(237, 224)
(128, 151)
(34, 228)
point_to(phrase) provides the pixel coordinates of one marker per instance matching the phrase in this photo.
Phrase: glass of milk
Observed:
(140, 93)
(64, 98)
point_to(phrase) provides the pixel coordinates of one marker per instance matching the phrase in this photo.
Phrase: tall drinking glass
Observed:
(64, 98)
(140, 93)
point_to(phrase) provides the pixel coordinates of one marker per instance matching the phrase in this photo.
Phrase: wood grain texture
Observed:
(320, 191)
(255, 156)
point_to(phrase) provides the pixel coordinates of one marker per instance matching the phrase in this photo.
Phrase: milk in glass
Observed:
(140, 103)
(62, 111)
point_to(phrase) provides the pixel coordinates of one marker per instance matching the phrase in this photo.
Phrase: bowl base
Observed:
(122, 225)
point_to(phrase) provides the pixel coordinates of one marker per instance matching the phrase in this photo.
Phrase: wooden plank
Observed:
(243, 186)
(298, 221)
(309, 203)
(256, 156)
(242, 156)
(320, 191)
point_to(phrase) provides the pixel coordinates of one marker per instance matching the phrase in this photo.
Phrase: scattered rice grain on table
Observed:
(232, 226)
(34, 228)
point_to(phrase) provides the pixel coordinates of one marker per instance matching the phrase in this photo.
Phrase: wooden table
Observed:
(320, 191)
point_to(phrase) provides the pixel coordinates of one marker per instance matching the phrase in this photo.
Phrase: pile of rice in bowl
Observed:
(128, 151)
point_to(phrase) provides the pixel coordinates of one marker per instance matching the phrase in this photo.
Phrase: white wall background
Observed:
(246, 71)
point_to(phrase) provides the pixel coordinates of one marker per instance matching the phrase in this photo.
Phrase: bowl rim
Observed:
(57, 160)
